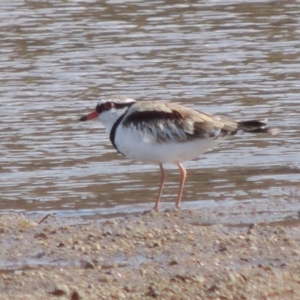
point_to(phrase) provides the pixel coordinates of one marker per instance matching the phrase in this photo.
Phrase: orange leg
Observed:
(162, 182)
(182, 181)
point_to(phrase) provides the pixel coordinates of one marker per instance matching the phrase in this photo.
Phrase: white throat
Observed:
(110, 117)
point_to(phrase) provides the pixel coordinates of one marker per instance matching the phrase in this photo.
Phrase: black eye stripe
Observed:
(103, 106)
(99, 108)
(122, 105)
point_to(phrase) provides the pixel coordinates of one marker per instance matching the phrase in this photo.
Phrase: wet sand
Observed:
(166, 255)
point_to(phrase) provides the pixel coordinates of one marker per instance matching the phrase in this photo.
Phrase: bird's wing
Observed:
(172, 122)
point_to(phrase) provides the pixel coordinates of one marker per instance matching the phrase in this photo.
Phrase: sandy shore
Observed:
(166, 255)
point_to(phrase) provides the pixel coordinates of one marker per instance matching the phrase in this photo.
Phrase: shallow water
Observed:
(58, 59)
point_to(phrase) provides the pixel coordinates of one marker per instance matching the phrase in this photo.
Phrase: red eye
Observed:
(108, 105)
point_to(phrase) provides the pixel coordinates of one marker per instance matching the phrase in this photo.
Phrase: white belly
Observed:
(146, 149)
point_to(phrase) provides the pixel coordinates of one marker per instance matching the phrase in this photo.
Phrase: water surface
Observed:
(239, 58)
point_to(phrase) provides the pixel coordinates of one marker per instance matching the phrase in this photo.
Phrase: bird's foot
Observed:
(177, 206)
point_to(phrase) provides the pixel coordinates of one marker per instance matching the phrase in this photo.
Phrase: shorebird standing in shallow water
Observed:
(159, 133)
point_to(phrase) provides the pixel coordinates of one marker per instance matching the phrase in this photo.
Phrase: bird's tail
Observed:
(256, 126)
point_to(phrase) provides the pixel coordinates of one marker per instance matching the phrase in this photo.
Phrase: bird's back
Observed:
(168, 122)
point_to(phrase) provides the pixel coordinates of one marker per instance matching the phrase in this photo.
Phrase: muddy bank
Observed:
(166, 255)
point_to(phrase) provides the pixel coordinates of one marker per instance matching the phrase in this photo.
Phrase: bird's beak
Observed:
(90, 116)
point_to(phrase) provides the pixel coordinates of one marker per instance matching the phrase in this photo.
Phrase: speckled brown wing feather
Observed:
(206, 125)
(173, 122)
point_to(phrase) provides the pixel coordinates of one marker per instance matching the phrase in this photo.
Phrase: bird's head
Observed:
(108, 111)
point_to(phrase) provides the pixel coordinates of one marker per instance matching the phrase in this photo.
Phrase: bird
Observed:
(157, 132)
